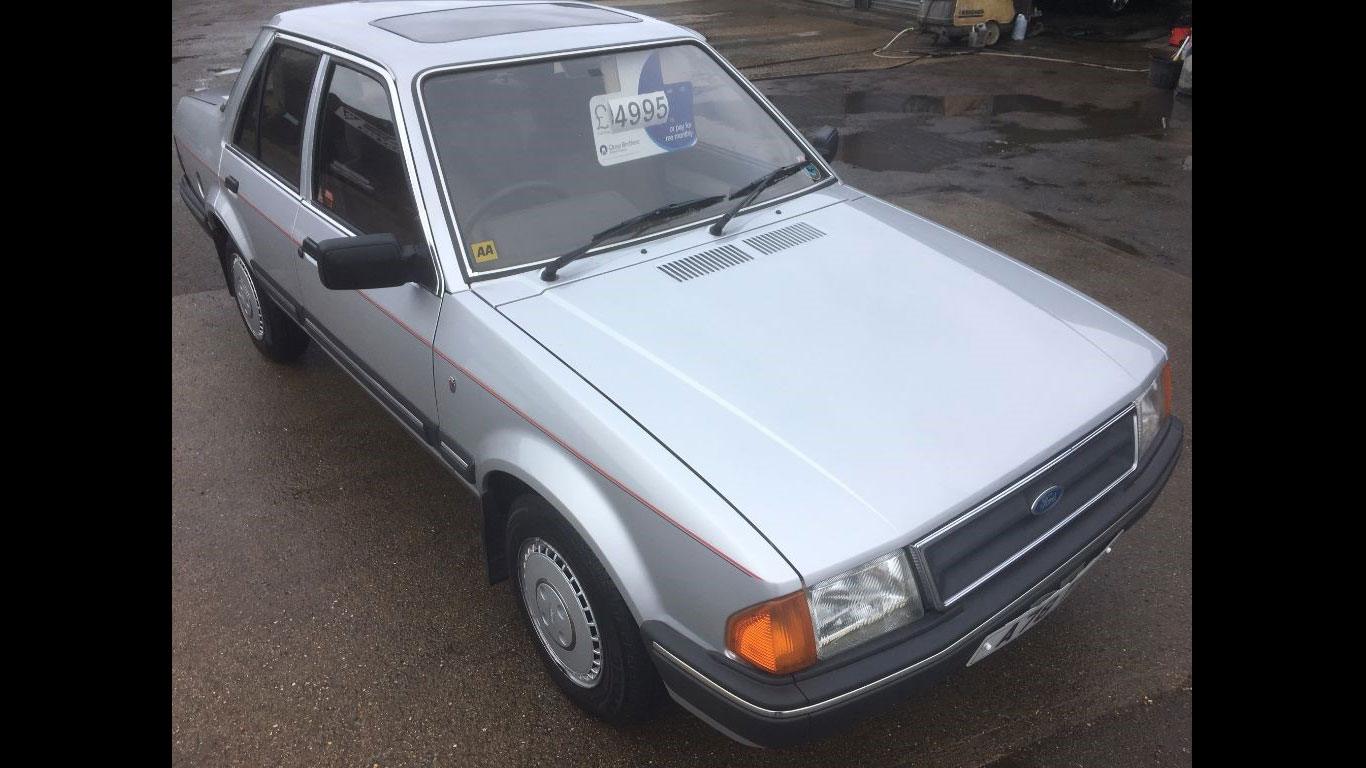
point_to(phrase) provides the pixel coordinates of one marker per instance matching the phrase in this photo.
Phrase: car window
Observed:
(271, 126)
(247, 137)
(538, 156)
(359, 174)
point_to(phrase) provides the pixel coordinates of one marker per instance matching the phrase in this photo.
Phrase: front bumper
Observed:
(767, 710)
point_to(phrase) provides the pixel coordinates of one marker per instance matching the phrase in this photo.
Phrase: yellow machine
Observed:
(986, 20)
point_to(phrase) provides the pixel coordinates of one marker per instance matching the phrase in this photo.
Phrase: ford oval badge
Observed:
(1046, 500)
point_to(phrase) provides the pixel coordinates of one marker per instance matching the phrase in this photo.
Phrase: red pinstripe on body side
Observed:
(595, 467)
(428, 343)
(283, 231)
(241, 196)
(425, 342)
(202, 161)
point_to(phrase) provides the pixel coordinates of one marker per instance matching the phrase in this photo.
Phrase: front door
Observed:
(359, 185)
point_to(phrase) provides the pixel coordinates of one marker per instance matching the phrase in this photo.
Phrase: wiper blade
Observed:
(630, 226)
(752, 190)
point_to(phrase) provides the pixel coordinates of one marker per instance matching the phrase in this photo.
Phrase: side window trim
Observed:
(277, 42)
(335, 56)
(250, 108)
(323, 83)
(311, 120)
(251, 69)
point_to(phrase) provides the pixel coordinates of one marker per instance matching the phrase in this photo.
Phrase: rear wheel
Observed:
(273, 332)
(582, 629)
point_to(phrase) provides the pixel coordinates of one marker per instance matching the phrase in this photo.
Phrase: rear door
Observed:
(359, 183)
(264, 161)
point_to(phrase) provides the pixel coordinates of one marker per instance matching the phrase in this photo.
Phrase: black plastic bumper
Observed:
(767, 710)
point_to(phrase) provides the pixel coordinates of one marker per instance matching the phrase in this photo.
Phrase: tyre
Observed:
(993, 33)
(272, 330)
(581, 628)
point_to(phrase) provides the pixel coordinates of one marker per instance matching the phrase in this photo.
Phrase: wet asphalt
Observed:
(328, 599)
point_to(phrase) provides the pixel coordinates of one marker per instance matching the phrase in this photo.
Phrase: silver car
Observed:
(741, 432)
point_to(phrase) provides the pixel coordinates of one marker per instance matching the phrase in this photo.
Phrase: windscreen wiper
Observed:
(630, 226)
(752, 190)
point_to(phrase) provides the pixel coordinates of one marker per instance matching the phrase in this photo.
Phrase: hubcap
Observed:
(560, 612)
(554, 616)
(247, 300)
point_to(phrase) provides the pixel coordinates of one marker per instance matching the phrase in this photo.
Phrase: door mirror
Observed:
(364, 261)
(826, 140)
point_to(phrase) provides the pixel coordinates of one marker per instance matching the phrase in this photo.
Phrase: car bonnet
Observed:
(848, 379)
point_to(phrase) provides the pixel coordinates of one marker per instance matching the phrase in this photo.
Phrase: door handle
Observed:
(231, 184)
(307, 248)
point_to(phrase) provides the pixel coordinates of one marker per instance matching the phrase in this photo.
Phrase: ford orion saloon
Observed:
(742, 434)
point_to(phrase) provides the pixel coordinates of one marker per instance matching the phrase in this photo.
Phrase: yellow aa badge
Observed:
(484, 251)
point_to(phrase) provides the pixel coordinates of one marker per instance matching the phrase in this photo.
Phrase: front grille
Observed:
(980, 543)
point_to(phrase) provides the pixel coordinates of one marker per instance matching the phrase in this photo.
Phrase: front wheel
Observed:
(273, 332)
(582, 628)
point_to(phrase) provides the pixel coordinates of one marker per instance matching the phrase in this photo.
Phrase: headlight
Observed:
(788, 634)
(1153, 408)
(863, 603)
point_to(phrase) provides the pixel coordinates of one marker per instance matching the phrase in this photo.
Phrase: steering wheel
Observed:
(519, 188)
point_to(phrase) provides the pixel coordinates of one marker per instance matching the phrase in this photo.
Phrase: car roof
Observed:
(409, 36)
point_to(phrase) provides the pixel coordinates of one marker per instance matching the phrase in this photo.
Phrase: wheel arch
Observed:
(220, 236)
(581, 499)
(660, 570)
(495, 499)
(225, 227)
(676, 550)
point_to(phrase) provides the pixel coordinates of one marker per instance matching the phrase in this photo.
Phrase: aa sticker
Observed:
(484, 251)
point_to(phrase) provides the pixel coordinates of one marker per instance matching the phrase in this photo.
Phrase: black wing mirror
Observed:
(364, 261)
(826, 140)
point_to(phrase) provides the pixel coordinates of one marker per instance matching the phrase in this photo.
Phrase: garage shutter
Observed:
(898, 6)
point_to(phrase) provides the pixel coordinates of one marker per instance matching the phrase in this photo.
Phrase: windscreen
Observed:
(538, 157)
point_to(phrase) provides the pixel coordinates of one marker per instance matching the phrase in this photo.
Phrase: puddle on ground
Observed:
(1018, 117)
(1106, 33)
(899, 147)
(901, 128)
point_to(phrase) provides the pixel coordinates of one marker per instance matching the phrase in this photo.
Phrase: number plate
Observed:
(1045, 605)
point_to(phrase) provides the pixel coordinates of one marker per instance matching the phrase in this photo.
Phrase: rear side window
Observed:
(271, 126)
(247, 137)
(359, 173)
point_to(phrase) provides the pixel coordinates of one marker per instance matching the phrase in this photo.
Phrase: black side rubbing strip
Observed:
(462, 463)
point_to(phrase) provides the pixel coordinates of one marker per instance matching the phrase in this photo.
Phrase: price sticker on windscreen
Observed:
(646, 117)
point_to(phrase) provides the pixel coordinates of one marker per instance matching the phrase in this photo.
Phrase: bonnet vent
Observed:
(705, 263)
(782, 239)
